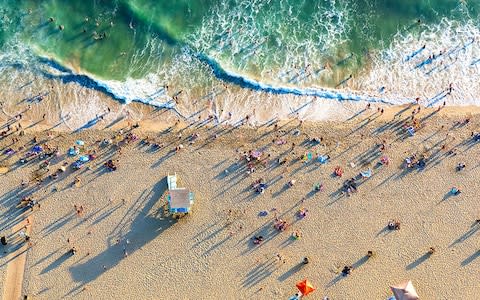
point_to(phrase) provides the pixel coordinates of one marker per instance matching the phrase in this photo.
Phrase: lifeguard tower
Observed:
(179, 200)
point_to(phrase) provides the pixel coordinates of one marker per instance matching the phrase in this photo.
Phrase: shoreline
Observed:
(158, 120)
(63, 95)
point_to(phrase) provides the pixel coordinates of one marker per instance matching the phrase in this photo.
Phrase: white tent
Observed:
(404, 291)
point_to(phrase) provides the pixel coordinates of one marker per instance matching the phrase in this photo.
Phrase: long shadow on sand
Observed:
(292, 271)
(474, 228)
(419, 261)
(471, 258)
(259, 273)
(340, 276)
(145, 227)
(57, 262)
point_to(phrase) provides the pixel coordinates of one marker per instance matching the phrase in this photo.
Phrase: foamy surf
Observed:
(285, 98)
(148, 91)
(145, 90)
(273, 50)
(425, 66)
(243, 81)
(151, 89)
(245, 60)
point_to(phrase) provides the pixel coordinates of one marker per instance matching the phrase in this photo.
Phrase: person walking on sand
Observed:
(305, 260)
(280, 258)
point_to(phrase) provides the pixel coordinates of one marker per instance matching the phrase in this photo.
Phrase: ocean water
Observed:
(241, 54)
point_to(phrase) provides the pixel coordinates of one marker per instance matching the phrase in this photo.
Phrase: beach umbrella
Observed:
(37, 149)
(72, 151)
(305, 287)
(404, 291)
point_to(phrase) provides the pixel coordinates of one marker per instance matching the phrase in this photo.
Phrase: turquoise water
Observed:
(286, 42)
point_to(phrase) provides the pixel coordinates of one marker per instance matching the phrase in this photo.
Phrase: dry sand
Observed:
(16, 263)
(210, 254)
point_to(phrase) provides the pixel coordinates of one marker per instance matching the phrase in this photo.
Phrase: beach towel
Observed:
(83, 158)
(72, 151)
(454, 191)
(367, 173)
(77, 165)
(323, 159)
(263, 213)
(256, 154)
(384, 160)
(37, 149)
(411, 131)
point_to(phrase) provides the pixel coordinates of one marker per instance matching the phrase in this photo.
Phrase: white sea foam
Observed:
(253, 38)
(405, 71)
(397, 75)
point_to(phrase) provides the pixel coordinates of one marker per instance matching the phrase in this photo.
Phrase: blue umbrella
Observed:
(72, 151)
(37, 149)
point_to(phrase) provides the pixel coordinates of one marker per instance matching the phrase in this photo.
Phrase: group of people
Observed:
(28, 203)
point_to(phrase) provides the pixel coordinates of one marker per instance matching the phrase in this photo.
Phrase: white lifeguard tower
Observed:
(179, 200)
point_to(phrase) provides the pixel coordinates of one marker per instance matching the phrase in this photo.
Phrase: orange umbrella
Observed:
(305, 287)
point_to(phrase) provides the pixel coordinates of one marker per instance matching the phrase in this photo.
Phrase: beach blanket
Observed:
(323, 159)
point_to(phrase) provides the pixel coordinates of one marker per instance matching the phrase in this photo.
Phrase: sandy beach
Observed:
(128, 248)
(318, 149)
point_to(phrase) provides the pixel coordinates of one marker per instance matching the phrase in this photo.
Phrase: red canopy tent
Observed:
(305, 287)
